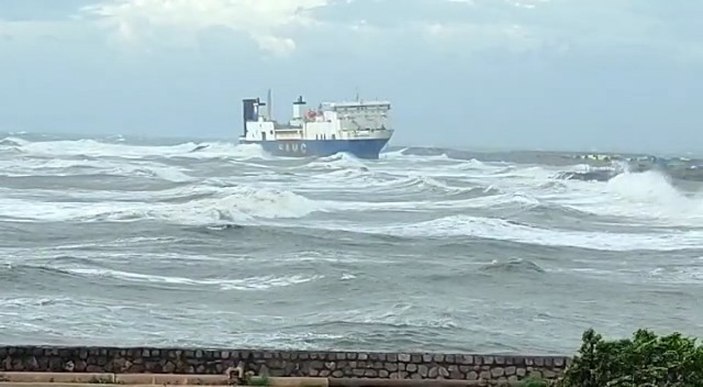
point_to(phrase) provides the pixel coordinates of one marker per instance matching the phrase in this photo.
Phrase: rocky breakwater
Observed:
(493, 370)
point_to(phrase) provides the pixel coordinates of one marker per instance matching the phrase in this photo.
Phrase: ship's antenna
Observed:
(269, 103)
(357, 94)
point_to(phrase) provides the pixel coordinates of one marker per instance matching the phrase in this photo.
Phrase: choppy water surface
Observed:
(120, 243)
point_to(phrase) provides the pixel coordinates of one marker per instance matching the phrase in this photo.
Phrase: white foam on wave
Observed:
(392, 155)
(24, 167)
(336, 161)
(399, 315)
(500, 229)
(95, 148)
(480, 202)
(645, 196)
(231, 204)
(249, 283)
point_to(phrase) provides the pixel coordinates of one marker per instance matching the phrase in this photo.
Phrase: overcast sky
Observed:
(538, 74)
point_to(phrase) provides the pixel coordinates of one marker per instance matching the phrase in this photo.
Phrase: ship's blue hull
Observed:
(366, 149)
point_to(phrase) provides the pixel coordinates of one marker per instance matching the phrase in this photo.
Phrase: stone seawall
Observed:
(494, 370)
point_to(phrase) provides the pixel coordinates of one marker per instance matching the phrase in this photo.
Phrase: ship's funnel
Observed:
(299, 108)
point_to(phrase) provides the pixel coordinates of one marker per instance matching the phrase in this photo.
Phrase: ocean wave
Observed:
(512, 266)
(232, 204)
(121, 149)
(647, 196)
(506, 230)
(25, 272)
(400, 315)
(337, 161)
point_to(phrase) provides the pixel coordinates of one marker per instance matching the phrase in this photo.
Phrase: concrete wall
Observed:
(494, 369)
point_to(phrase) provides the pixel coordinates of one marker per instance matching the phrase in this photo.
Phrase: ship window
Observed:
(334, 137)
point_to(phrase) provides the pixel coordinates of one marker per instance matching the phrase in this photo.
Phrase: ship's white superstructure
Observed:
(330, 121)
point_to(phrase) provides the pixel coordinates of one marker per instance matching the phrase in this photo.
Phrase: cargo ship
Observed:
(360, 128)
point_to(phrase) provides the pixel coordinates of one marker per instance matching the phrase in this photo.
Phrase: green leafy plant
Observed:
(646, 360)
(533, 382)
(258, 381)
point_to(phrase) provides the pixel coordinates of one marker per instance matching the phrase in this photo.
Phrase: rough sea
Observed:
(112, 241)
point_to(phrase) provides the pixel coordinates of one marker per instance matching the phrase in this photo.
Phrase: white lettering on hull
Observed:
(299, 148)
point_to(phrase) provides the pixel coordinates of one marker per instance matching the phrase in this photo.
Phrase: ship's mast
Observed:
(269, 103)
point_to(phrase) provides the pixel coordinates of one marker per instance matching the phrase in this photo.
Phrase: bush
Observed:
(643, 361)
(533, 382)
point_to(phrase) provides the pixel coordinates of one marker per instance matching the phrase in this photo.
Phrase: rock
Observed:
(404, 357)
(33, 364)
(423, 370)
(81, 365)
(510, 370)
(472, 375)
(497, 372)
(411, 367)
(434, 372)
(443, 372)
(316, 364)
(169, 368)
(466, 359)
(521, 372)
(383, 374)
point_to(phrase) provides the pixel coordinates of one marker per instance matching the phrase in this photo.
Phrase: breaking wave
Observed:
(146, 240)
